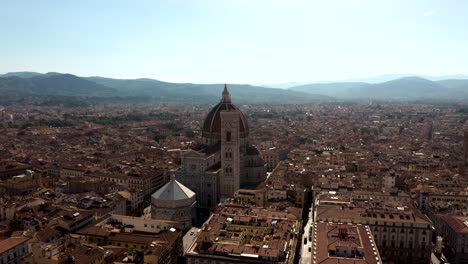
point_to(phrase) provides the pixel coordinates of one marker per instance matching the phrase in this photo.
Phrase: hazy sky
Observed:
(235, 41)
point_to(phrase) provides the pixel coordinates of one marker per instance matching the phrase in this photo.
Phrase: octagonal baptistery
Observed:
(174, 202)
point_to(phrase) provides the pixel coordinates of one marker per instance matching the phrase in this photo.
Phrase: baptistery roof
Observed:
(173, 190)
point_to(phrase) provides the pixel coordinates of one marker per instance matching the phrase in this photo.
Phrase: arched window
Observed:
(228, 136)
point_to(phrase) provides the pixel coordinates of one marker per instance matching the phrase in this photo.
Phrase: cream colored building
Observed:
(402, 233)
(174, 202)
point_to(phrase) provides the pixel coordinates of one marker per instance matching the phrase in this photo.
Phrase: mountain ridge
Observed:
(64, 84)
(60, 84)
(411, 87)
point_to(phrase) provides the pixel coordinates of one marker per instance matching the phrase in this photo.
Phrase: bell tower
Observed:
(230, 149)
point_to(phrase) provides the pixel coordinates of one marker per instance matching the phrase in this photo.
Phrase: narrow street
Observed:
(306, 254)
(434, 259)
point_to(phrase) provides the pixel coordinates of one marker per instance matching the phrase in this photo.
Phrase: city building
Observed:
(145, 183)
(465, 147)
(13, 249)
(174, 202)
(21, 184)
(160, 241)
(237, 233)
(343, 243)
(225, 160)
(135, 199)
(455, 231)
(2, 114)
(402, 233)
(7, 209)
(74, 220)
(273, 156)
(9, 169)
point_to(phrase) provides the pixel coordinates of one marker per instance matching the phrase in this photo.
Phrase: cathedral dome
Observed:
(212, 124)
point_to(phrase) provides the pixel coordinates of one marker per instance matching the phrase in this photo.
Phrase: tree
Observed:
(159, 137)
(189, 134)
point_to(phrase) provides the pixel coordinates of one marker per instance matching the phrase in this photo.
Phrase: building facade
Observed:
(13, 249)
(225, 160)
(402, 233)
(21, 184)
(465, 147)
(455, 231)
(174, 202)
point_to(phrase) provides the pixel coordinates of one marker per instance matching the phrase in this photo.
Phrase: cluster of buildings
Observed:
(238, 232)
(168, 183)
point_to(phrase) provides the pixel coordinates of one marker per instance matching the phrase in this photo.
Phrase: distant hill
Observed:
(403, 88)
(69, 85)
(391, 77)
(52, 84)
(203, 92)
(13, 85)
(370, 80)
(57, 84)
(455, 84)
(399, 89)
(21, 74)
(330, 89)
(285, 85)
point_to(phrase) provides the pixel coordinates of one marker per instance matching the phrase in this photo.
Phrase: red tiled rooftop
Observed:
(11, 242)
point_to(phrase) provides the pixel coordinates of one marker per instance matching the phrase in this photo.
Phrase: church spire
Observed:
(226, 96)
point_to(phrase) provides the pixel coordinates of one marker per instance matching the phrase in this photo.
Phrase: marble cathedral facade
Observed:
(225, 160)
